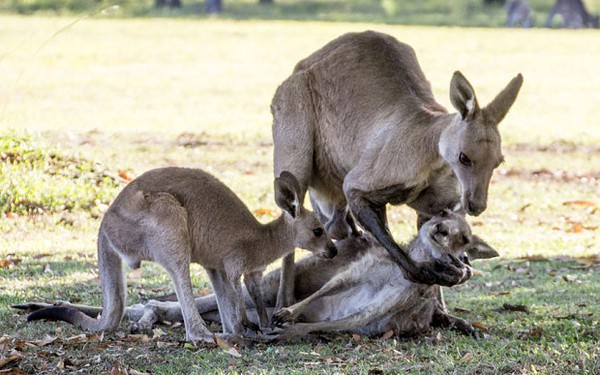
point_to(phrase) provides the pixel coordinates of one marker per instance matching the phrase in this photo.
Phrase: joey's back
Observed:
(215, 215)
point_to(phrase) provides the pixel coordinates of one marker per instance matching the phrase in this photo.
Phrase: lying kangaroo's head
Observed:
(471, 145)
(448, 233)
(309, 233)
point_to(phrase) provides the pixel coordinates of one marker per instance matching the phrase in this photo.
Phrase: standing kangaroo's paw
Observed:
(282, 316)
(440, 273)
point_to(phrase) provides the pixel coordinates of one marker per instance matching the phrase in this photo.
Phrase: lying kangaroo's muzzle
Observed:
(330, 251)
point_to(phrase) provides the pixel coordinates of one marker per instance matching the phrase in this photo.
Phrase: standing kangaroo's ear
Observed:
(287, 193)
(462, 96)
(479, 249)
(499, 107)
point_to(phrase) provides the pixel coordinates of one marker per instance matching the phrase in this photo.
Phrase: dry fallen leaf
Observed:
(466, 358)
(388, 334)
(125, 175)
(480, 327)
(580, 203)
(10, 360)
(576, 227)
(266, 211)
(233, 352)
(136, 274)
(222, 343)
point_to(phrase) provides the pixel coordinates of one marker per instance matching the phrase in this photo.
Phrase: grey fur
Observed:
(357, 289)
(174, 216)
(357, 123)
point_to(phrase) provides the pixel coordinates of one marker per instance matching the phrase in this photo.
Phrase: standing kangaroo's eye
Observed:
(318, 232)
(464, 160)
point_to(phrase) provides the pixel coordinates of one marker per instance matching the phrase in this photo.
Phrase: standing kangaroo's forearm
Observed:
(373, 218)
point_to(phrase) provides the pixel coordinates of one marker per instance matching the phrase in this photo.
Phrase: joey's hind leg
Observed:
(252, 281)
(167, 241)
(179, 271)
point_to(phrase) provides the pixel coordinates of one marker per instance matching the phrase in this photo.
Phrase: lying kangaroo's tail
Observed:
(114, 295)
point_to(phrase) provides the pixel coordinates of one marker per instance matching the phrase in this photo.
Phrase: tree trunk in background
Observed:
(573, 13)
(213, 6)
(167, 3)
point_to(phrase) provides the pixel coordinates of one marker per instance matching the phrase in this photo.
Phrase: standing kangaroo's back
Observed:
(375, 71)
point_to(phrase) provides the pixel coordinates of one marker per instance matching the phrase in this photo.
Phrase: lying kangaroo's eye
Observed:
(464, 160)
(465, 240)
(318, 232)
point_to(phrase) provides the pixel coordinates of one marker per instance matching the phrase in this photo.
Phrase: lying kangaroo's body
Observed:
(174, 216)
(358, 125)
(370, 297)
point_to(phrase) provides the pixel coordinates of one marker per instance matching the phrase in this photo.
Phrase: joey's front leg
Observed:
(285, 294)
(369, 209)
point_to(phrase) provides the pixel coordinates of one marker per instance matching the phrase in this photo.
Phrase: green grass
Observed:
(408, 12)
(109, 95)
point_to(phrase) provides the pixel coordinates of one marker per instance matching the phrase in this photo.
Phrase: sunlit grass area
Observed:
(112, 98)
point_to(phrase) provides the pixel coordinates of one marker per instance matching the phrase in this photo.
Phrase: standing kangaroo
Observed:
(175, 216)
(358, 125)
(358, 302)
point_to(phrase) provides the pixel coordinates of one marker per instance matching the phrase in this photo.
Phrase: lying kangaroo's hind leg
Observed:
(342, 281)
(367, 315)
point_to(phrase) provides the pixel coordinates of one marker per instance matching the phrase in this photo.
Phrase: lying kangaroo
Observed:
(357, 123)
(371, 296)
(175, 216)
(365, 291)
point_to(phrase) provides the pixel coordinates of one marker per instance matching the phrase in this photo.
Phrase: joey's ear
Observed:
(287, 193)
(479, 249)
(462, 96)
(498, 108)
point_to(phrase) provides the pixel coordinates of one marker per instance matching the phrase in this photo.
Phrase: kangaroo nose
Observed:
(331, 252)
(474, 208)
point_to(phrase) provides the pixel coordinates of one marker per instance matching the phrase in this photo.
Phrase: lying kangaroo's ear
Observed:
(462, 96)
(479, 249)
(287, 193)
(498, 108)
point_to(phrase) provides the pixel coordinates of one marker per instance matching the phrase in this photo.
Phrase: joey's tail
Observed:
(114, 292)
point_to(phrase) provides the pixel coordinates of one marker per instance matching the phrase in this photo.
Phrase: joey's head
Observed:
(448, 233)
(308, 232)
(471, 145)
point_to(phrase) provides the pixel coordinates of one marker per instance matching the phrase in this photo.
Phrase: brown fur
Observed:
(358, 125)
(174, 216)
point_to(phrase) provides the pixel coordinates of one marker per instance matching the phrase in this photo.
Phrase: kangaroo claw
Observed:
(440, 273)
(281, 317)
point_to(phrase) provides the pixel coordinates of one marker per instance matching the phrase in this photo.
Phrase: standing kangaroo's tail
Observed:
(114, 295)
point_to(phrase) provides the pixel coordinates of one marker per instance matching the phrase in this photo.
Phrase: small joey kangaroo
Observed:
(175, 216)
(372, 295)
